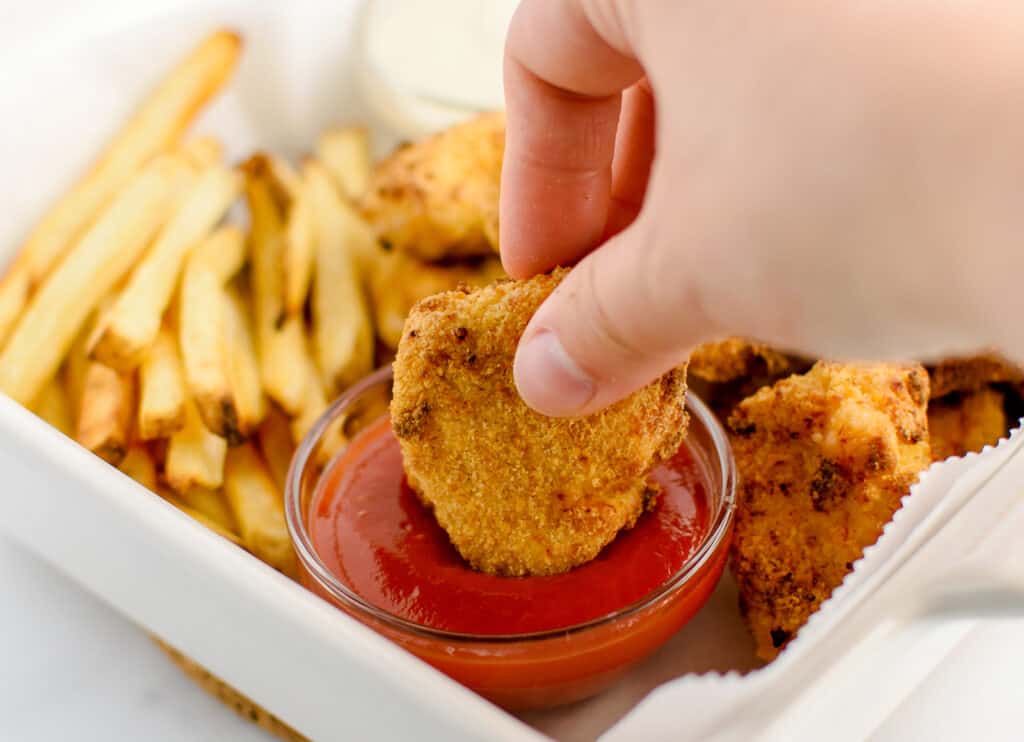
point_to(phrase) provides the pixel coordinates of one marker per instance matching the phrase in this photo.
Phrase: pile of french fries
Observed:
(191, 351)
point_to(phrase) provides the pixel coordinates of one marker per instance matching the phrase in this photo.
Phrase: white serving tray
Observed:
(70, 73)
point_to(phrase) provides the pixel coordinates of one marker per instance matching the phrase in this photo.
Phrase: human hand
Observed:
(840, 179)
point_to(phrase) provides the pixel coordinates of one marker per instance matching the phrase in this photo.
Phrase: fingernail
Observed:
(549, 380)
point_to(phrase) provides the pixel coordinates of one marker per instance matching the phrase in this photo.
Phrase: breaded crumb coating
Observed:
(517, 492)
(399, 280)
(438, 198)
(970, 374)
(824, 460)
(734, 358)
(960, 424)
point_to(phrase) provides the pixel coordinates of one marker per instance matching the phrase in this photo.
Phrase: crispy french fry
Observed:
(207, 521)
(202, 152)
(276, 446)
(258, 508)
(53, 406)
(105, 413)
(138, 464)
(14, 289)
(243, 365)
(285, 179)
(206, 339)
(155, 127)
(134, 321)
(299, 252)
(201, 337)
(195, 456)
(315, 404)
(73, 373)
(223, 252)
(210, 503)
(95, 264)
(342, 328)
(280, 336)
(346, 154)
(162, 389)
(289, 195)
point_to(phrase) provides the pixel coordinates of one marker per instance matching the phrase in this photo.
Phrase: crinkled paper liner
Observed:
(707, 684)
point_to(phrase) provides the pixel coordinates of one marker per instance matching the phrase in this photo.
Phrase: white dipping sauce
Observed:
(427, 64)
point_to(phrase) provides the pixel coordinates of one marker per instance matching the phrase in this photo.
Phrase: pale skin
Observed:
(843, 179)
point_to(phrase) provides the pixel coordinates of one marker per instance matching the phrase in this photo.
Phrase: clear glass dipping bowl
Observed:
(522, 671)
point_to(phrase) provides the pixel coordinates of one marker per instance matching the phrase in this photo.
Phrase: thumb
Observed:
(626, 314)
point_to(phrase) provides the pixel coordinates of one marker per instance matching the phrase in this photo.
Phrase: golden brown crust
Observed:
(399, 280)
(229, 696)
(960, 424)
(518, 492)
(734, 358)
(824, 460)
(972, 373)
(439, 198)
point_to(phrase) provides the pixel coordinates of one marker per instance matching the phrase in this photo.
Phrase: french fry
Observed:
(285, 179)
(195, 456)
(134, 321)
(75, 366)
(258, 508)
(210, 503)
(280, 336)
(277, 446)
(105, 412)
(243, 365)
(202, 152)
(342, 327)
(202, 518)
(162, 389)
(206, 339)
(289, 195)
(299, 252)
(106, 251)
(315, 404)
(138, 464)
(201, 337)
(53, 406)
(346, 154)
(155, 127)
(14, 290)
(223, 252)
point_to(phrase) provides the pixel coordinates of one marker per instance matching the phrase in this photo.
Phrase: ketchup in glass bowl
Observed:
(368, 545)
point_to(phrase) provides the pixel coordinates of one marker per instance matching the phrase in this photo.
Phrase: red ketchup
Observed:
(373, 533)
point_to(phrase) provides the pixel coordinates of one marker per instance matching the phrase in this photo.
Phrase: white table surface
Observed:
(73, 669)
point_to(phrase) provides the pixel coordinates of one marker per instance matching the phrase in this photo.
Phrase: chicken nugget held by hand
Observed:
(519, 493)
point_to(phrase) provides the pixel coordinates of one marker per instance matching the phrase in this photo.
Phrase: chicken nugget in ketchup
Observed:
(517, 492)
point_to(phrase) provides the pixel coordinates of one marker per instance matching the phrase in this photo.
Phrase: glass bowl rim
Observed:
(720, 523)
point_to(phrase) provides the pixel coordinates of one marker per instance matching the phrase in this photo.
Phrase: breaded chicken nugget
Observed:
(725, 372)
(959, 424)
(399, 280)
(519, 493)
(733, 358)
(824, 460)
(973, 373)
(439, 198)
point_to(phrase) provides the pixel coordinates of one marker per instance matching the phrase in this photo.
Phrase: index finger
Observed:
(564, 76)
